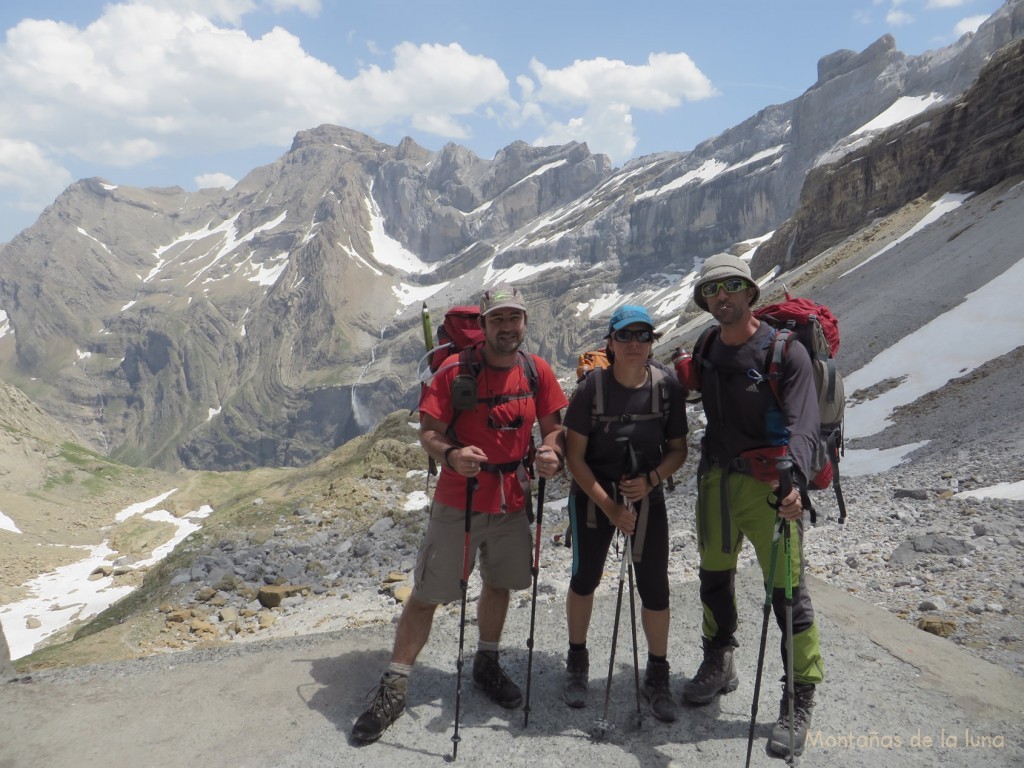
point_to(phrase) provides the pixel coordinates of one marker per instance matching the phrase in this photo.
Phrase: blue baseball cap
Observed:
(628, 314)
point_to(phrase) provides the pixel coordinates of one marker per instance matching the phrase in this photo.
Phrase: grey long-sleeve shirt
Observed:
(742, 411)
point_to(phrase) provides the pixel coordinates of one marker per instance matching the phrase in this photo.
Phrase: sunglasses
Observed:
(512, 426)
(732, 285)
(624, 336)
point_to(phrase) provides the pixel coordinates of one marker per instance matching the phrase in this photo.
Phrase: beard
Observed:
(507, 343)
(727, 313)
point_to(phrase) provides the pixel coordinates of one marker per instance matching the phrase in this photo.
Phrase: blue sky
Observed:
(199, 92)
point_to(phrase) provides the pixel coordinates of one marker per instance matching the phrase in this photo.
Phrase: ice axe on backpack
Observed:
(425, 319)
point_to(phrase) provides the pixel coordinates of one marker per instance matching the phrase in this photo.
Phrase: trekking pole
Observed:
(790, 683)
(834, 441)
(785, 466)
(602, 726)
(464, 583)
(541, 483)
(638, 718)
(632, 467)
(768, 589)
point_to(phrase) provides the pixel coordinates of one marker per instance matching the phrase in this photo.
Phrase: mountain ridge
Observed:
(267, 324)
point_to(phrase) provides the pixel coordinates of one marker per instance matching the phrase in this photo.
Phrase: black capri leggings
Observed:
(590, 550)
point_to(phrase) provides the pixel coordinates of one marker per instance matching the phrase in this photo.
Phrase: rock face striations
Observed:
(970, 144)
(267, 324)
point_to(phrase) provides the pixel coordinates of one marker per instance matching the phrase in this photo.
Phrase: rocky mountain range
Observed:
(267, 324)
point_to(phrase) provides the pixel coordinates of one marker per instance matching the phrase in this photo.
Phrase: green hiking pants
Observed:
(720, 533)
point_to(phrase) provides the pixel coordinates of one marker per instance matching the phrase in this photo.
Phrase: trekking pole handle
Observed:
(785, 467)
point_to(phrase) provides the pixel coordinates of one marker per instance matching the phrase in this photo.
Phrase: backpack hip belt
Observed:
(749, 463)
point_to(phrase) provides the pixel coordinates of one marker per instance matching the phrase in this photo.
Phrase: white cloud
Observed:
(945, 4)
(308, 7)
(229, 11)
(898, 18)
(34, 178)
(970, 24)
(154, 79)
(607, 129)
(664, 82)
(609, 90)
(430, 85)
(148, 80)
(208, 180)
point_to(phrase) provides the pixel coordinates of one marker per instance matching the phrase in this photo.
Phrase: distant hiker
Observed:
(488, 391)
(744, 419)
(623, 402)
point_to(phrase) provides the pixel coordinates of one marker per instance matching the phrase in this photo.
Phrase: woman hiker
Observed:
(638, 402)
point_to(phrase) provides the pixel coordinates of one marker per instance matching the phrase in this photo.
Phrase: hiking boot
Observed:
(657, 691)
(492, 679)
(387, 706)
(717, 674)
(803, 703)
(577, 671)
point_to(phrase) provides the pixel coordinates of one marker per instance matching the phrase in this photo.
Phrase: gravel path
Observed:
(894, 693)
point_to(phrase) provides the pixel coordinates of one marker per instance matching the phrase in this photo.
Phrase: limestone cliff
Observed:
(969, 145)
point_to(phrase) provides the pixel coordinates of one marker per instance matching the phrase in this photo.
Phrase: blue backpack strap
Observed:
(775, 359)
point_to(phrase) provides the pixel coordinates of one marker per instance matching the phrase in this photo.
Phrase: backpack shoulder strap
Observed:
(469, 362)
(775, 359)
(467, 365)
(660, 401)
(701, 347)
(597, 409)
(530, 369)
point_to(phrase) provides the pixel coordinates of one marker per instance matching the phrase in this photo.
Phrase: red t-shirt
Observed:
(501, 446)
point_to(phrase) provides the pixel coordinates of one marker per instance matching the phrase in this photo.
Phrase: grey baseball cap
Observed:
(501, 296)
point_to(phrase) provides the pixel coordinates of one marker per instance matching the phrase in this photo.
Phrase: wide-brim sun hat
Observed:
(721, 267)
(628, 314)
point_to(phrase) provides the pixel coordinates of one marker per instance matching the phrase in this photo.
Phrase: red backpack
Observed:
(459, 330)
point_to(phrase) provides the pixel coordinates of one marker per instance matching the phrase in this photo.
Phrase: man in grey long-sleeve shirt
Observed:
(747, 428)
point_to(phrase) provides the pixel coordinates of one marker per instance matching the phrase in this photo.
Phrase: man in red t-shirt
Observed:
(491, 441)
